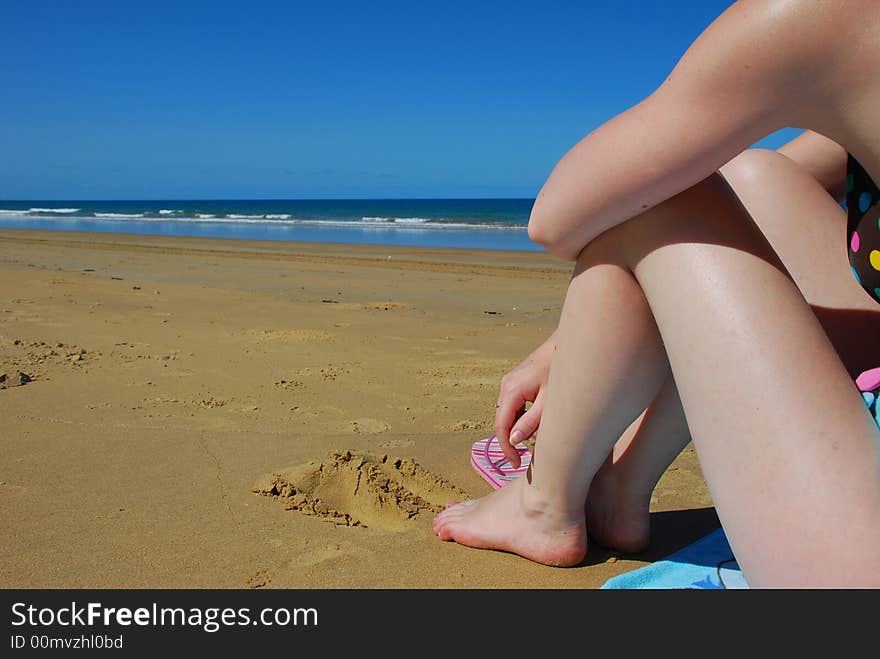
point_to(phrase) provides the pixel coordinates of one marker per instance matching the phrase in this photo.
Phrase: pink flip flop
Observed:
(491, 463)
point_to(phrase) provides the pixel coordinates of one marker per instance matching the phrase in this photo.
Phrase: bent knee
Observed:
(755, 168)
(707, 212)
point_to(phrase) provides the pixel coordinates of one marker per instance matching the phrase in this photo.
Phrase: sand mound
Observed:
(361, 490)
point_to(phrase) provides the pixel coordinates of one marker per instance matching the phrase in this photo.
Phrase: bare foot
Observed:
(617, 513)
(516, 519)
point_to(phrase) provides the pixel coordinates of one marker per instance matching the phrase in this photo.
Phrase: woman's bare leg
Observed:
(618, 503)
(807, 229)
(788, 449)
(606, 335)
(805, 226)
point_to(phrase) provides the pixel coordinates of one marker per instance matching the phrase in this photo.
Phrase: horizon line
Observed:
(81, 199)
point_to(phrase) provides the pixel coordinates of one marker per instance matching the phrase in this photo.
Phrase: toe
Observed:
(446, 531)
(443, 515)
(448, 515)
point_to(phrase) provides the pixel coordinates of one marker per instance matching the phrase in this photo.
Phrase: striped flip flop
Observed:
(491, 463)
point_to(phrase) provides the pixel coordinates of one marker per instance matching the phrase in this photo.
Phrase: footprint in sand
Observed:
(361, 490)
(260, 579)
(32, 354)
(385, 306)
(470, 424)
(296, 335)
(396, 443)
(369, 426)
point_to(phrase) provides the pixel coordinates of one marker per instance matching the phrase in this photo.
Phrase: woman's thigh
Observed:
(807, 229)
(787, 447)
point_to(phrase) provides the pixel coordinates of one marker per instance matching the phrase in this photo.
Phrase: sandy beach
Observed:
(172, 379)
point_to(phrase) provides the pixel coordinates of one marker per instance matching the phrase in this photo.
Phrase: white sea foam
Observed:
(396, 220)
(349, 224)
(273, 221)
(276, 220)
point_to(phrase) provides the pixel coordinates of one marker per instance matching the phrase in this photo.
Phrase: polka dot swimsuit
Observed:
(863, 230)
(863, 242)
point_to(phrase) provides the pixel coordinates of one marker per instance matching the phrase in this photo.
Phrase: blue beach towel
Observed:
(706, 564)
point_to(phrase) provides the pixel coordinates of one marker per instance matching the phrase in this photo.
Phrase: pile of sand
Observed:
(361, 490)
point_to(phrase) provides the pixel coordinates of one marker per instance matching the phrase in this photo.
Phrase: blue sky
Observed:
(152, 100)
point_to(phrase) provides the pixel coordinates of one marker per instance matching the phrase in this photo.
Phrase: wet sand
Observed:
(178, 385)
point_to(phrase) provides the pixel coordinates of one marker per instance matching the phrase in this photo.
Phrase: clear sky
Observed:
(101, 99)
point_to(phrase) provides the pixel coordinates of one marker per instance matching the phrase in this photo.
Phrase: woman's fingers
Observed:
(509, 407)
(528, 423)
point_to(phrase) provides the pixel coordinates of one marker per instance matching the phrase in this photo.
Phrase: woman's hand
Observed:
(525, 383)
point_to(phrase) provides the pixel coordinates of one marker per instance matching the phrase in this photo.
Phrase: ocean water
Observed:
(470, 223)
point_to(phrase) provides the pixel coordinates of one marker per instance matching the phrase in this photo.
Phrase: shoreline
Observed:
(282, 248)
(194, 368)
(482, 223)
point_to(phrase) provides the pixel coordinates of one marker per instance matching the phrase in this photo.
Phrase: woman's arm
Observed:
(743, 78)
